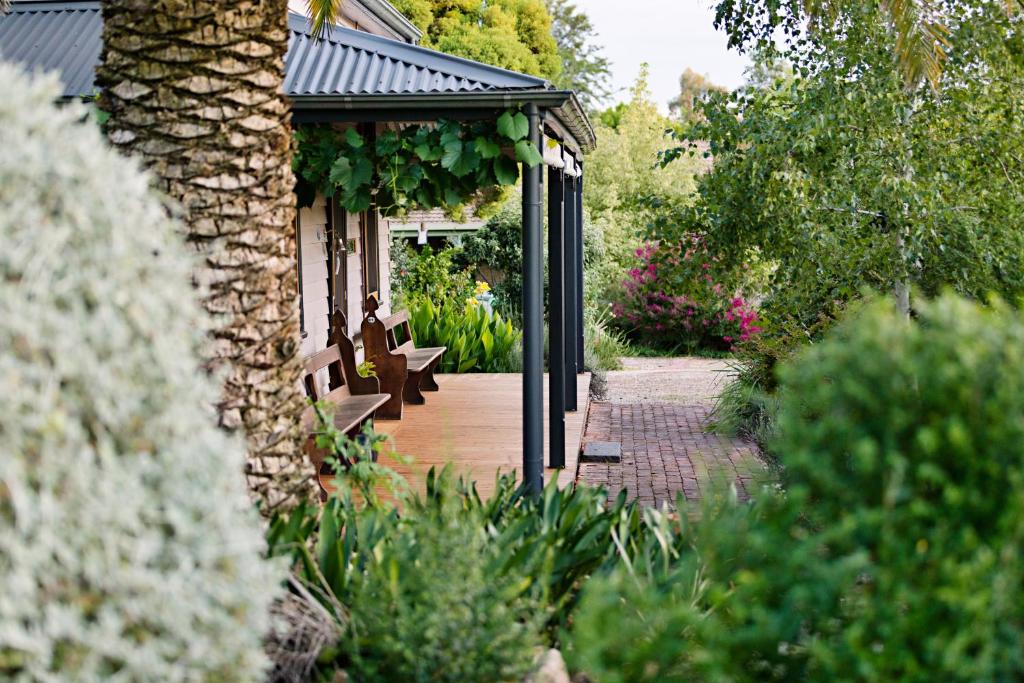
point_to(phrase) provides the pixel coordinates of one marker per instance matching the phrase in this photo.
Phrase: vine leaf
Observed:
(487, 149)
(527, 153)
(356, 200)
(427, 152)
(362, 172)
(353, 138)
(341, 172)
(459, 158)
(451, 197)
(514, 126)
(506, 170)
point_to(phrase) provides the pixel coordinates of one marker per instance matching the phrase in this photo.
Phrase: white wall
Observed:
(313, 237)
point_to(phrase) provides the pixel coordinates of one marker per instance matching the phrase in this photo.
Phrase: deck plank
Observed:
(475, 422)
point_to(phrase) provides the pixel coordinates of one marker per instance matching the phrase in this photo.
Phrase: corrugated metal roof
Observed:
(65, 37)
(55, 36)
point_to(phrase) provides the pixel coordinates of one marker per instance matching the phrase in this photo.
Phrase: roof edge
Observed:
(563, 104)
(397, 21)
(409, 52)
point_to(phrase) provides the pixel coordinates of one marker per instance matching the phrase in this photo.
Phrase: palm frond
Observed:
(323, 14)
(5, 6)
(922, 39)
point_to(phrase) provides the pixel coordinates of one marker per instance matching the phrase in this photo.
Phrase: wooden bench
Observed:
(355, 400)
(403, 369)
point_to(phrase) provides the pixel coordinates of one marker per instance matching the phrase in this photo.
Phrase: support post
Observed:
(533, 318)
(569, 267)
(556, 319)
(579, 271)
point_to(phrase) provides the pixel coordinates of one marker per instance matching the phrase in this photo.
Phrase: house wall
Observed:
(313, 242)
(315, 288)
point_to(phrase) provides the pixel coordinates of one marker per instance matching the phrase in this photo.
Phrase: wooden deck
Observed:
(476, 422)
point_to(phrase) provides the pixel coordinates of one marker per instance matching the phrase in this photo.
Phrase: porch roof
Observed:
(349, 74)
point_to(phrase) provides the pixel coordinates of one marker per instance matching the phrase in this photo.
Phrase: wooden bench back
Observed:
(386, 328)
(340, 360)
(329, 358)
(395, 321)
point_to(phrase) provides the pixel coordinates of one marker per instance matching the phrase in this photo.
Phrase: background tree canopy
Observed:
(511, 34)
(584, 69)
(846, 176)
(692, 88)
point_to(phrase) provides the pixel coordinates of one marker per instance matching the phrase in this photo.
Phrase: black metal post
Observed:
(533, 318)
(569, 266)
(579, 271)
(556, 320)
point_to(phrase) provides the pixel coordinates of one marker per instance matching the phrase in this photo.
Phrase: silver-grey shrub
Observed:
(128, 546)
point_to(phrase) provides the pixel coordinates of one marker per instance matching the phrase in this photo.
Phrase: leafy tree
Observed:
(584, 68)
(845, 177)
(622, 176)
(511, 34)
(693, 87)
(217, 140)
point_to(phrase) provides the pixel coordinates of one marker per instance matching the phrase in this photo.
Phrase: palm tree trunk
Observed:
(194, 90)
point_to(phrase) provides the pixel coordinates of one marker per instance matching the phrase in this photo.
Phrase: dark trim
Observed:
(571, 121)
(370, 228)
(298, 269)
(556, 319)
(569, 266)
(533, 319)
(580, 356)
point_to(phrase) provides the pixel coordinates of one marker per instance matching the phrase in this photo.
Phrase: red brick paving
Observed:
(666, 449)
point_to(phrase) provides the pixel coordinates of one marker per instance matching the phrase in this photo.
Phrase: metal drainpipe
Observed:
(533, 319)
(556, 320)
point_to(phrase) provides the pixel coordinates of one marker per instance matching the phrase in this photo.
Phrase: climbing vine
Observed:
(418, 166)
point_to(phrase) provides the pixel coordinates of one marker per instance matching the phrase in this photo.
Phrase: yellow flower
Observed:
(481, 288)
(472, 301)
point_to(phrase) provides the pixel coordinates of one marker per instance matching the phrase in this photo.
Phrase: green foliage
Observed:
(419, 166)
(457, 587)
(426, 273)
(584, 69)
(906, 439)
(603, 346)
(495, 253)
(476, 341)
(844, 177)
(894, 552)
(511, 34)
(621, 176)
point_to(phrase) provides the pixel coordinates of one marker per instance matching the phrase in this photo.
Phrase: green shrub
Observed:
(430, 607)
(129, 549)
(603, 347)
(908, 441)
(495, 254)
(428, 273)
(895, 552)
(476, 341)
(436, 590)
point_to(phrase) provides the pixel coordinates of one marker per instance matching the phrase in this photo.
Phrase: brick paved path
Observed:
(659, 412)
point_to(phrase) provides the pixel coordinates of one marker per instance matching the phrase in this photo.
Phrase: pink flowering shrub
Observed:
(673, 300)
